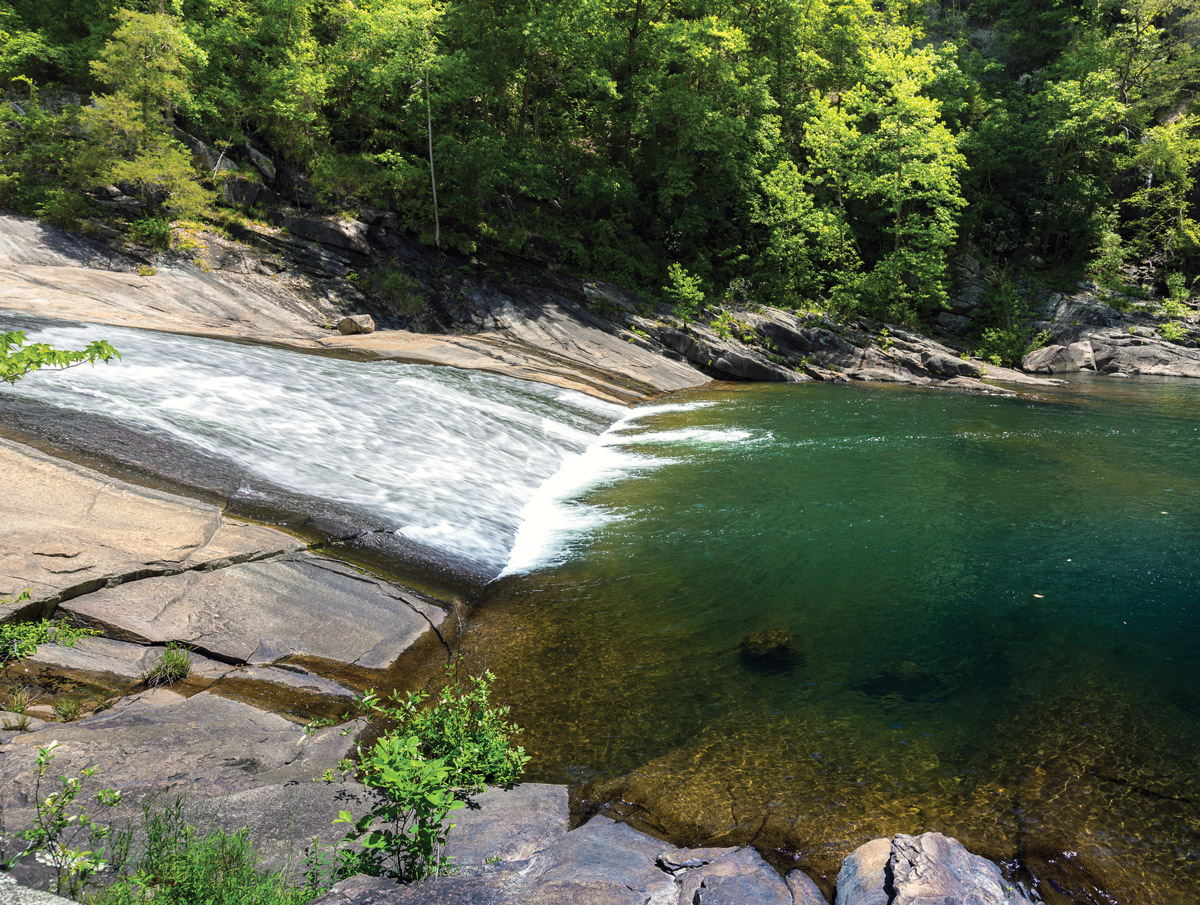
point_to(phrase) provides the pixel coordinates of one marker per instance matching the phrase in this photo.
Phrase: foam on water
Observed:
(555, 520)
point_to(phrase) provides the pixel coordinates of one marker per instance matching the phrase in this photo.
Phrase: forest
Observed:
(819, 154)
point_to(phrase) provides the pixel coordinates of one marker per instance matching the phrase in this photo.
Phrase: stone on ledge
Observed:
(264, 611)
(356, 323)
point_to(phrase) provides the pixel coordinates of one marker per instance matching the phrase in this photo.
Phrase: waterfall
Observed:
(449, 458)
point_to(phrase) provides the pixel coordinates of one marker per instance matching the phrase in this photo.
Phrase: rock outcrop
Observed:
(66, 531)
(1090, 335)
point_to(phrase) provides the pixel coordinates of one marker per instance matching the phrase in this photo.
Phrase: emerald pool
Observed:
(994, 602)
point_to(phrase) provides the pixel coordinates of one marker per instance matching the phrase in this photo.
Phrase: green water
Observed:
(996, 606)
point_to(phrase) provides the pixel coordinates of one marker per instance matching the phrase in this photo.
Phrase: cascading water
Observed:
(450, 458)
(480, 466)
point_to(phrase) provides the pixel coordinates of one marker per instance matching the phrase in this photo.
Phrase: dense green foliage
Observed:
(824, 153)
(19, 640)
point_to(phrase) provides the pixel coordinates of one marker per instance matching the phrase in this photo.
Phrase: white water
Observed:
(448, 457)
(487, 468)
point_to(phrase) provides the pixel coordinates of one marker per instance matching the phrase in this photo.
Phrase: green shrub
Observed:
(403, 834)
(462, 726)
(64, 834)
(458, 741)
(19, 640)
(152, 231)
(396, 289)
(1172, 331)
(1007, 336)
(173, 665)
(1177, 287)
(684, 293)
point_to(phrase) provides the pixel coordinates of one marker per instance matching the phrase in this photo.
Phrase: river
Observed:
(992, 604)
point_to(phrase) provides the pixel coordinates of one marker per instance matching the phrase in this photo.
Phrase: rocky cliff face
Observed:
(1117, 335)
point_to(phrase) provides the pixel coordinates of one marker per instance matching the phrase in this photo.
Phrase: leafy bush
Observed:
(399, 291)
(403, 834)
(460, 741)
(152, 231)
(1007, 335)
(173, 665)
(462, 726)
(684, 293)
(1172, 331)
(64, 833)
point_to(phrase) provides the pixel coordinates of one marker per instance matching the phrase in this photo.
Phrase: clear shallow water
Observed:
(449, 457)
(997, 604)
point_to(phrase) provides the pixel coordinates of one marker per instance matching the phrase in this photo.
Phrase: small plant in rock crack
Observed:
(64, 835)
(19, 640)
(20, 699)
(173, 665)
(68, 709)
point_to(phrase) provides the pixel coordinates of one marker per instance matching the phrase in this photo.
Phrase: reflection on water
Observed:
(997, 603)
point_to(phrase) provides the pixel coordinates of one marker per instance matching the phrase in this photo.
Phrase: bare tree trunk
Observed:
(437, 225)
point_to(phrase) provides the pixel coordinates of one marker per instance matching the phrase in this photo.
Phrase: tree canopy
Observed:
(824, 154)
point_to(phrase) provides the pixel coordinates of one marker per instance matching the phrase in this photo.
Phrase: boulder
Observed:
(1050, 360)
(702, 347)
(601, 863)
(1124, 353)
(739, 877)
(261, 161)
(957, 324)
(771, 649)
(930, 869)
(356, 323)
(264, 611)
(508, 824)
(804, 889)
(1081, 353)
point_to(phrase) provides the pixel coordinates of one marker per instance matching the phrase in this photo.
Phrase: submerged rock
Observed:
(907, 680)
(771, 649)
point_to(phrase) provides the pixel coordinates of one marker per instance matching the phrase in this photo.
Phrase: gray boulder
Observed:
(804, 889)
(1050, 360)
(1124, 353)
(739, 877)
(1083, 356)
(930, 869)
(356, 323)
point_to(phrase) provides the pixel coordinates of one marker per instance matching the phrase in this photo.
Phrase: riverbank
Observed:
(589, 336)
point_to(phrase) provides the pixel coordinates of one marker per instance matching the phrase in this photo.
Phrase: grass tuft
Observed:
(173, 665)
